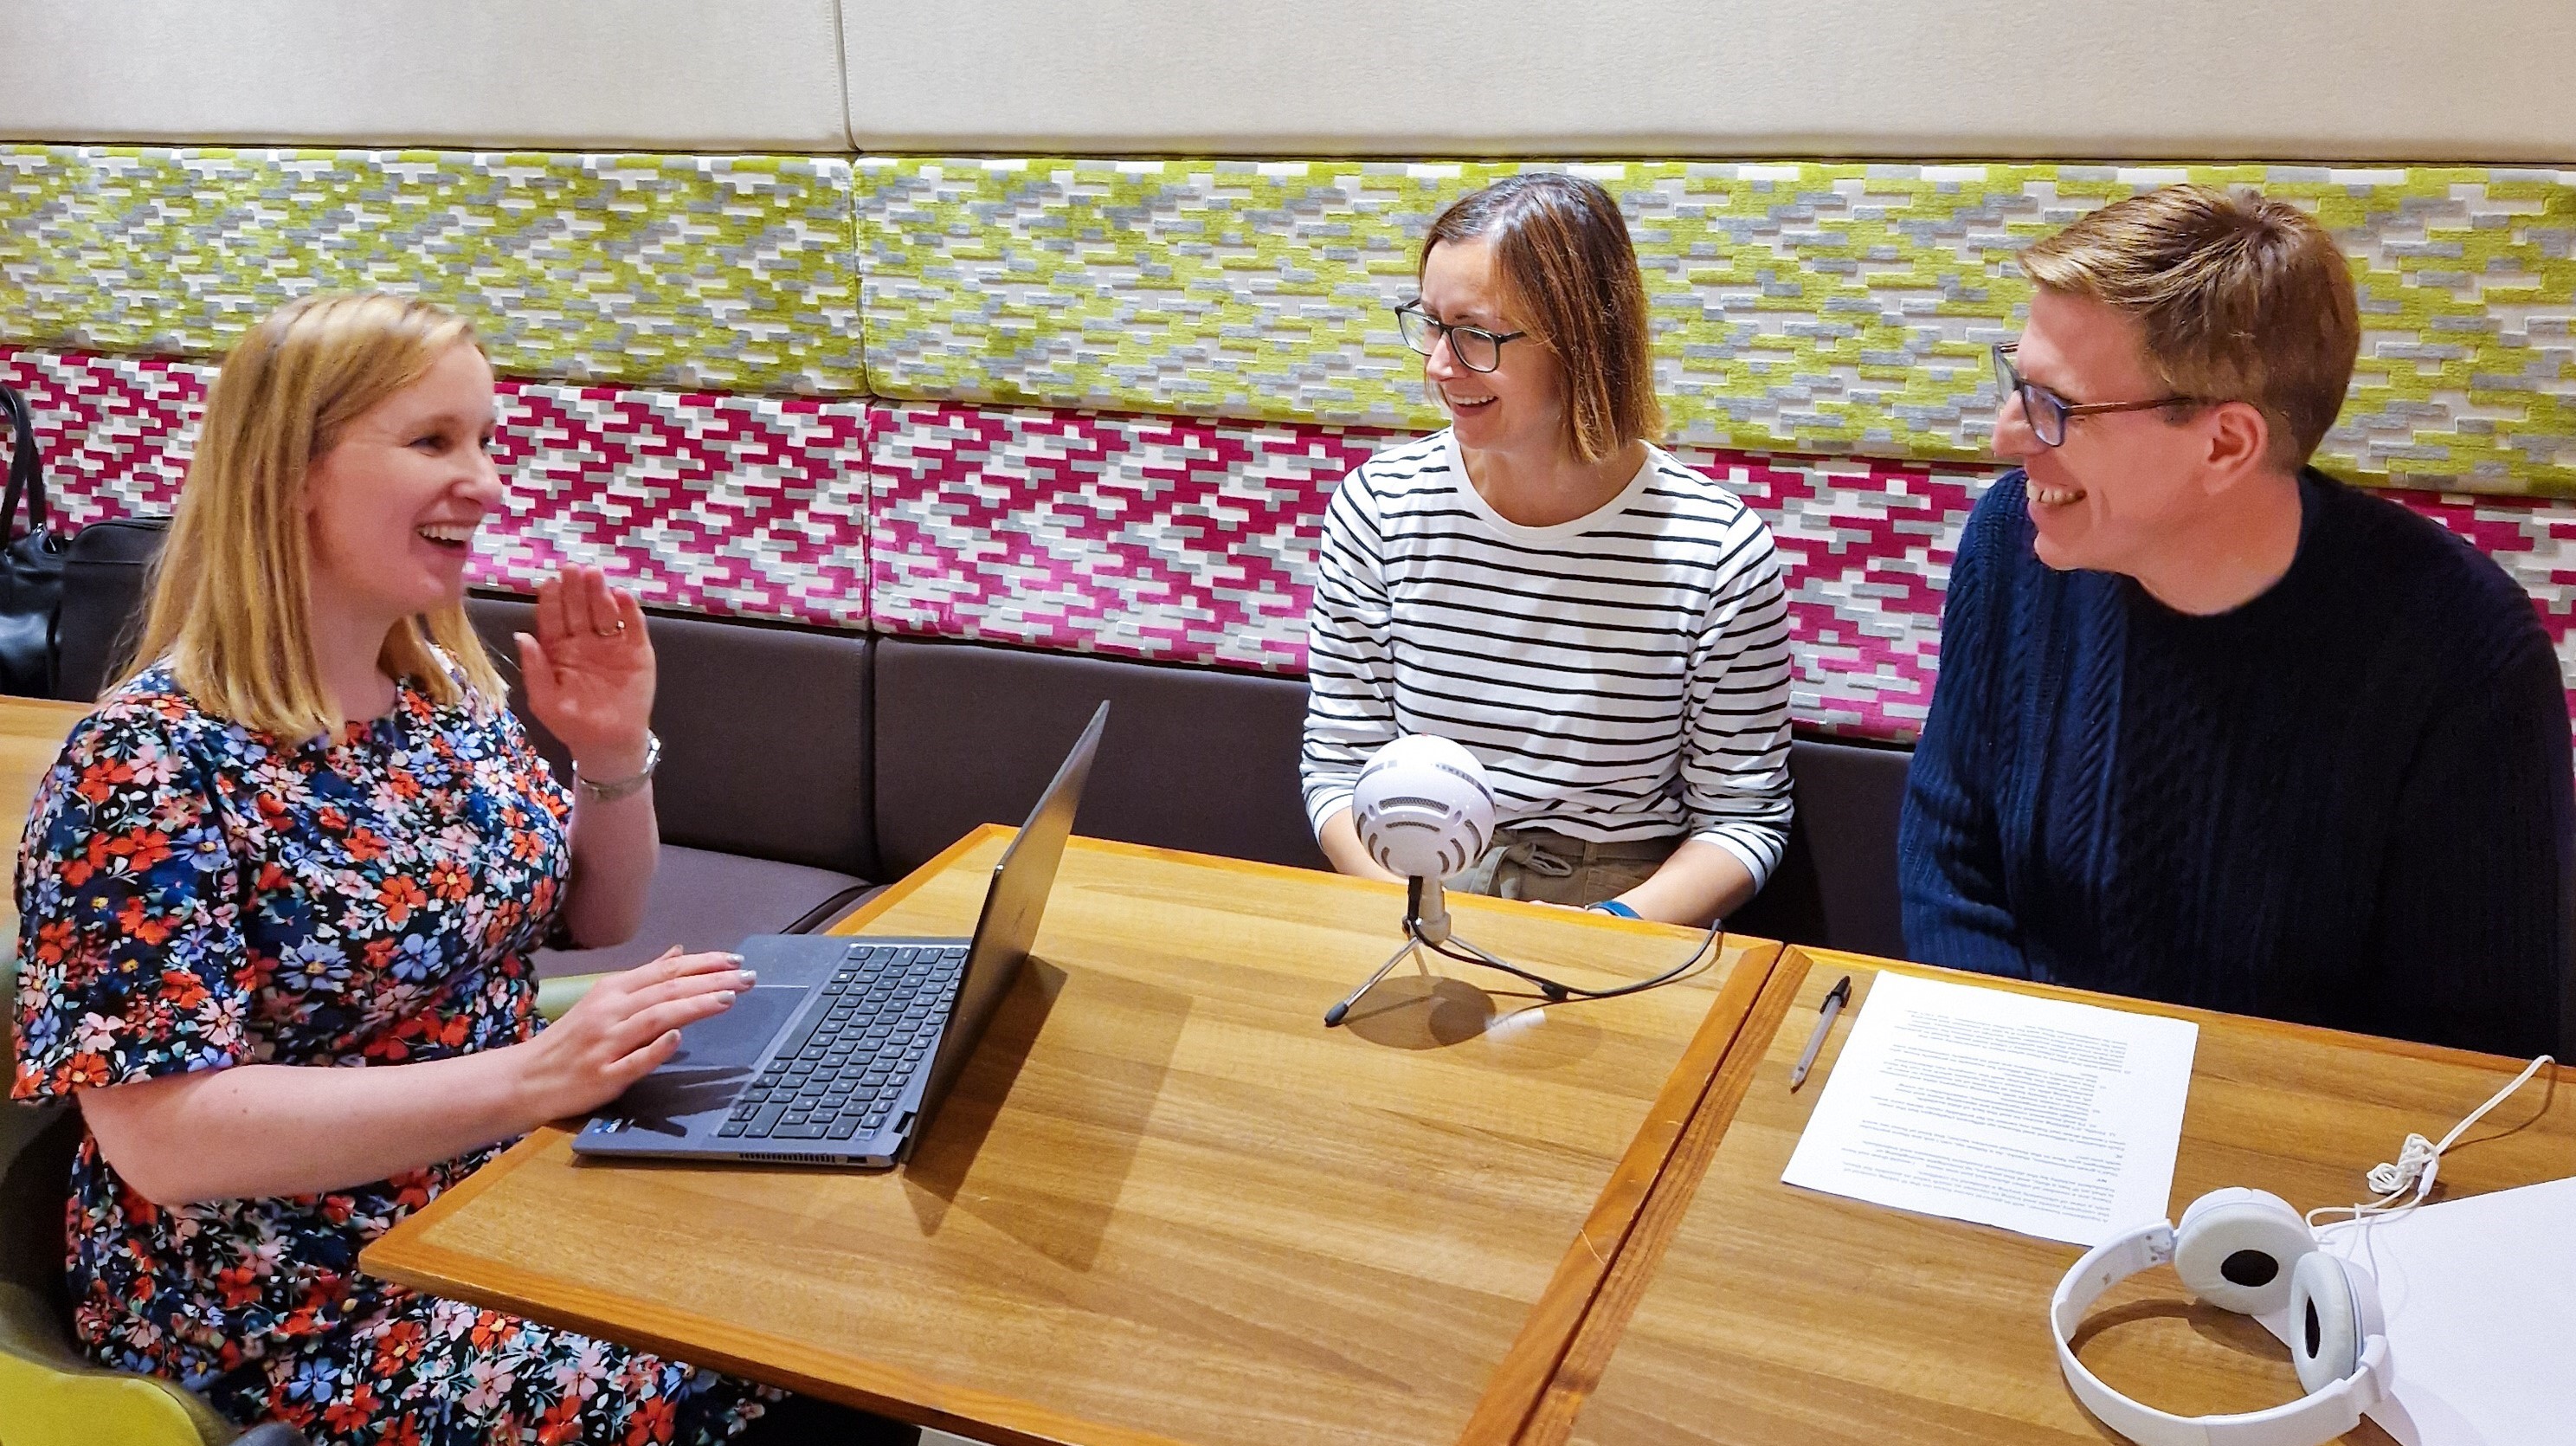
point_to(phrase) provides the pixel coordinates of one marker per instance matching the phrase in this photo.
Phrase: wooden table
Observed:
(1745, 1311)
(1165, 1203)
(31, 737)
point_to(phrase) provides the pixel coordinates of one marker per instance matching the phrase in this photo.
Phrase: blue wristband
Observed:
(1613, 906)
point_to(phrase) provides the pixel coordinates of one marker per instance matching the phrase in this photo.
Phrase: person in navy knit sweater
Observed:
(2212, 727)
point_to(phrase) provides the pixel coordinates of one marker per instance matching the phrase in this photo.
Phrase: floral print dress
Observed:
(196, 894)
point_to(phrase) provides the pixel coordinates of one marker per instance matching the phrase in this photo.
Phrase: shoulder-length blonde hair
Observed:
(1566, 268)
(231, 607)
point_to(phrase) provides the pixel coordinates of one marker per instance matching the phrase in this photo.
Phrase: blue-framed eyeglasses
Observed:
(2047, 411)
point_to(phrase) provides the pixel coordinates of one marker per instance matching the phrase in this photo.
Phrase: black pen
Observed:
(1833, 1005)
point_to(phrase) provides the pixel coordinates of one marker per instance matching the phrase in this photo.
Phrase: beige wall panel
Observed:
(2475, 80)
(670, 75)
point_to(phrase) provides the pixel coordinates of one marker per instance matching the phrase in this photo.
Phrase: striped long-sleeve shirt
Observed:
(1621, 676)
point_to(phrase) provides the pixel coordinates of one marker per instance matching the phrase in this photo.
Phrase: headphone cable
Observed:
(2418, 1162)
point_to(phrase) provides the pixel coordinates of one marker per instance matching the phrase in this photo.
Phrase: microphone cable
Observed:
(1557, 991)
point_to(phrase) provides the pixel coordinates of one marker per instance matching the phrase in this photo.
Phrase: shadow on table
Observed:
(1434, 1011)
(1055, 1181)
(1421, 1011)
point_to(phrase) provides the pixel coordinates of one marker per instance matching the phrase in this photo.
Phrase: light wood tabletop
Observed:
(1746, 1311)
(31, 737)
(1165, 1203)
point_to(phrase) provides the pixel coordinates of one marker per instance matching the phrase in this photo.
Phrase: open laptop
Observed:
(844, 1049)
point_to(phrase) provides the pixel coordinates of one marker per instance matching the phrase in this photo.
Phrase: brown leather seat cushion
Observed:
(707, 900)
(765, 735)
(1192, 759)
(1836, 885)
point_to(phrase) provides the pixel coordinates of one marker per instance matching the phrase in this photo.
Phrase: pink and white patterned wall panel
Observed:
(115, 431)
(727, 505)
(1142, 537)
(733, 506)
(1865, 549)
(1191, 542)
(1868, 547)
(1195, 542)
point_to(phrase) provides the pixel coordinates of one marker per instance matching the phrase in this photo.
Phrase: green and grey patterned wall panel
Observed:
(1804, 307)
(731, 272)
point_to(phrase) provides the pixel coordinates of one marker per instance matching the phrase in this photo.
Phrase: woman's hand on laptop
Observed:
(622, 1030)
(267, 1129)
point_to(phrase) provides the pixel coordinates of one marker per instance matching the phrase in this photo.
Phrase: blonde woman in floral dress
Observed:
(279, 895)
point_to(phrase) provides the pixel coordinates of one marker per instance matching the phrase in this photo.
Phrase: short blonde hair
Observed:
(231, 603)
(1566, 268)
(2242, 299)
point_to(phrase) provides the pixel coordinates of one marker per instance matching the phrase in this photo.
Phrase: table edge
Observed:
(1556, 1321)
(1823, 958)
(750, 1353)
(1624, 1284)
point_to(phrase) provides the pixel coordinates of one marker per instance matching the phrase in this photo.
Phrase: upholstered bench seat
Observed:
(1836, 886)
(1193, 758)
(763, 790)
(703, 899)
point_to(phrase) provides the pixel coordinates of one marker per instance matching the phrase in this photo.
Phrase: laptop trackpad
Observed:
(737, 1036)
(716, 1059)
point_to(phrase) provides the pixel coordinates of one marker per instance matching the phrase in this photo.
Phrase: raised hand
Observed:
(590, 672)
(624, 1029)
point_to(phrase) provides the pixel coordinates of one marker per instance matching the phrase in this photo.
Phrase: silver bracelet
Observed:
(624, 787)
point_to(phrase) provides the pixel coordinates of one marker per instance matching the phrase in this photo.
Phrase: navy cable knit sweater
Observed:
(2345, 803)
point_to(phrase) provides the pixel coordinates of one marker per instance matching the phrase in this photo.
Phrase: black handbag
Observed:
(105, 570)
(31, 565)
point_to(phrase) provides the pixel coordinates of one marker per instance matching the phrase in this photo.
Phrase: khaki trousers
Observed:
(1550, 868)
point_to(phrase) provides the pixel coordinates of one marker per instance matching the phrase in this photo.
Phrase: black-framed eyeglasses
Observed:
(1476, 349)
(2047, 412)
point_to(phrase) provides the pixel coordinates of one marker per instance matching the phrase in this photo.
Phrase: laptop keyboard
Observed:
(844, 1068)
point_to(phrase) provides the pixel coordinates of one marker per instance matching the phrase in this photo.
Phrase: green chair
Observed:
(554, 996)
(50, 1394)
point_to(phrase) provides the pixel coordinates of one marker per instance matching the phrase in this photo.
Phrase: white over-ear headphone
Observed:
(2249, 1252)
(2245, 1251)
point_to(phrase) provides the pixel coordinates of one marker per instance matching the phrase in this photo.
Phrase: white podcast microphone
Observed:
(1424, 810)
(1423, 807)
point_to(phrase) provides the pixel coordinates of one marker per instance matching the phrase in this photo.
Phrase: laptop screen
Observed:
(1013, 906)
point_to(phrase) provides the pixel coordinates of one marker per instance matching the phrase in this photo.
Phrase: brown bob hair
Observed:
(2240, 298)
(1565, 267)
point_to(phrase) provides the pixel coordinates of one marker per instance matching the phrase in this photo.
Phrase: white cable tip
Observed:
(2415, 1158)
(2419, 1161)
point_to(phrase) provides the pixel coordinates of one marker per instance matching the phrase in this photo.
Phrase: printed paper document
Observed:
(2480, 1297)
(2055, 1119)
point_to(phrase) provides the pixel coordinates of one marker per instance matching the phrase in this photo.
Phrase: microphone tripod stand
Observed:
(1426, 926)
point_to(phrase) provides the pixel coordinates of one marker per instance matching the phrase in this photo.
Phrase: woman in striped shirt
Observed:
(1604, 628)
